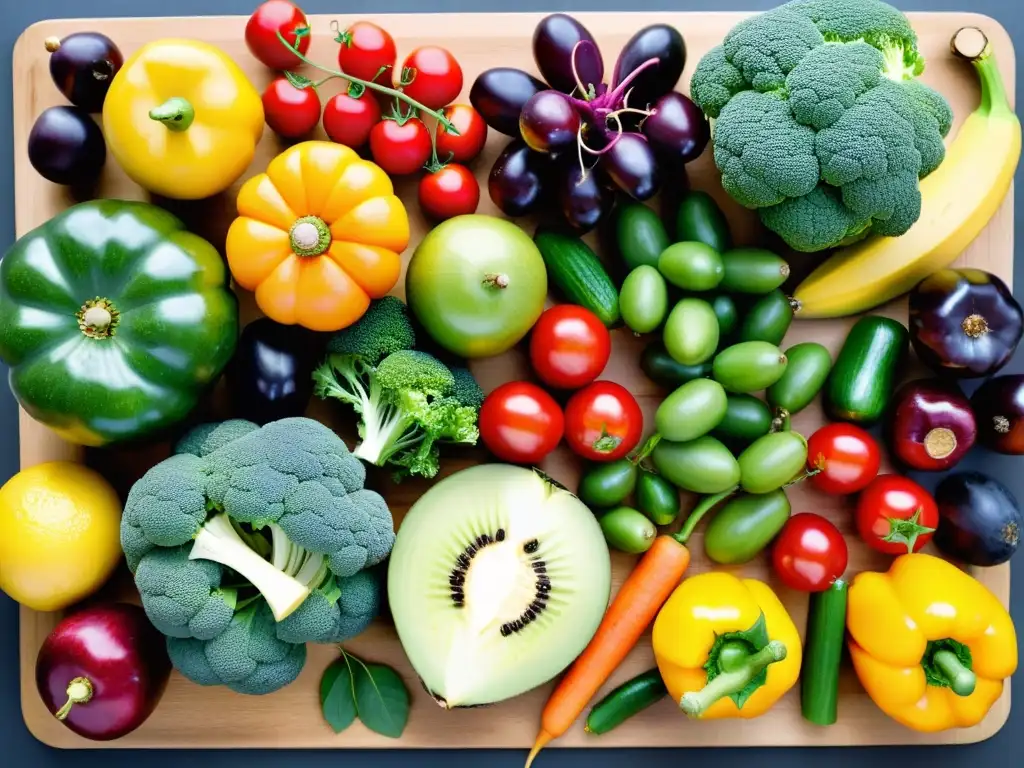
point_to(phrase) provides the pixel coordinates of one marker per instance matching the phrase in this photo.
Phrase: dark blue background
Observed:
(19, 748)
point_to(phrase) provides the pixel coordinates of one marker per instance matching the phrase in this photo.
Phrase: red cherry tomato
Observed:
(895, 515)
(290, 112)
(521, 423)
(603, 421)
(448, 192)
(569, 346)
(472, 134)
(348, 120)
(847, 456)
(400, 149)
(365, 49)
(261, 33)
(436, 76)
(810, 553)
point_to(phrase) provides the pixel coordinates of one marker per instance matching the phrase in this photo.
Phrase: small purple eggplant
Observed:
(999, 409)
(980, 522)
(932, 426)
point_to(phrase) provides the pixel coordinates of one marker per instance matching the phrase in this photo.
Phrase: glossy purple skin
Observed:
(119, 651)
(517, 179)
(980, 522)
(631, 164)
(84, 66)
(921, 407)
(951, 305)
(677, 130)
(499, 95)
(553, 42)
(999, 410)
(658, 41)
(583, 203)
(549, 122)
(66, 147)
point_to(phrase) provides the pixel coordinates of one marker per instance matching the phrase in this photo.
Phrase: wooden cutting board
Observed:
(192, 716)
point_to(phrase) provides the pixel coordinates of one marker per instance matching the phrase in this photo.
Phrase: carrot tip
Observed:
(542, 740)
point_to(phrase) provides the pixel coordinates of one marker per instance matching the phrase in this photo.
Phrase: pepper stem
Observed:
(961, 679)
(79, 691)
(697, 514)
(310, 236)
(733, 680)
(176, 113)
(975, 326)
(98, 318)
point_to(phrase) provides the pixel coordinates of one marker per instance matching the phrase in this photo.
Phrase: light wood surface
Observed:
(192, 716)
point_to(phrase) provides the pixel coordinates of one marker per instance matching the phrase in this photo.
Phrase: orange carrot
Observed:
(638, 601)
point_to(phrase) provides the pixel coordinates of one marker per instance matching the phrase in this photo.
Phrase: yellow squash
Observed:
(182, 119)
(931, 645)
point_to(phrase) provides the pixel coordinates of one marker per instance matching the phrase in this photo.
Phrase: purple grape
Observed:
(549, 122)
(517, 179)
(658, 41)
(583, 200)
(66, 147)
(553, 42)
(677, 130)
(499, 95)
(631, 164)
(82, 66)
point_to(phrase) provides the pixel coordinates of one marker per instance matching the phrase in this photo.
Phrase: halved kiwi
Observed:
(497, 581)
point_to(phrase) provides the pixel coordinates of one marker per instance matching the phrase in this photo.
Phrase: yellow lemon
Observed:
(59, 534)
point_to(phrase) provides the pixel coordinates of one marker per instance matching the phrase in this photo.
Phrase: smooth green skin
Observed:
(753, 270)
(823, 654)
(772, 461)
(702, 466)
(640, 235)
(746, 419)
(863, 379)
(628, 530)
(643, 299)
(749, 367)
(607, 484)
(177, 329)
(727, 312)
(629, 699)
(691, 266)
(745, 525)
(691, 332)
(661, 368)
(699, 219)
(768, 319)
(692, 410)
(657, 498)
(806, 372)
(446, 285)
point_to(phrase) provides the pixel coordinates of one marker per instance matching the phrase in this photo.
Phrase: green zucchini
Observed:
(753, 270)
(640, 235)
(819, 678)
(662, 368)
(746, 419)
(579, 275)
(699, 219)
(866, 369)
(630, 698)
(768, 318)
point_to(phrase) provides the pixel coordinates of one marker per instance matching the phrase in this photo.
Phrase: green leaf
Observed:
(381, 698)
(299, 81)
(337, 699)
(906, 531)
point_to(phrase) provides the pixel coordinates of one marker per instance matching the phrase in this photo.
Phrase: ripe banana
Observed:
(957, 201)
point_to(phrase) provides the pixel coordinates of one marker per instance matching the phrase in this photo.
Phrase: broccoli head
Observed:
(818, 99)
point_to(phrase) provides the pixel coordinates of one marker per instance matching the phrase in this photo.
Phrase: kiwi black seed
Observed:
(531, 546)
(500, 535)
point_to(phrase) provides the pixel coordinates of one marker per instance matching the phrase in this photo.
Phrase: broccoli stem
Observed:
(383, 437)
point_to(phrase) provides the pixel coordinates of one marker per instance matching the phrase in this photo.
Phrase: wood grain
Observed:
(191, 716)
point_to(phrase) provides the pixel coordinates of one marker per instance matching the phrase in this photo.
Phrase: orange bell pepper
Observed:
(317, 236)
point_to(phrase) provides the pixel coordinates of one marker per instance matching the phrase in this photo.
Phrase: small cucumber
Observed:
(661, 368)
(823, 652)
(606, 484)
(699, 219)
(691, 411)
(746, 419)
(749, 367)
(643, 299)
(691, 332)
(640, 235)
(753, 270)
(727, 312)
(806, 372)
(628, 530)
(657, 498)
(629, 699)
(772, 461)
(865, 373)
(691, 266)
(768, 319)
(577, 272)
(745, 525)
(702, 466)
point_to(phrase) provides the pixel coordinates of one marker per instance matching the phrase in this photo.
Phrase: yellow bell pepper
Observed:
(726, 647)
(317, 236)
(930, 644)
(182, 119)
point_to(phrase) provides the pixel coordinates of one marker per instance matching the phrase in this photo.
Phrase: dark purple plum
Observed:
(631, 164)
(998, 406)
(82, 66)
(553, 42)
(677, 129)
(517, 179)
(980, 522)
(582, 198)
(66, 147)
(499, 95)
(658, 41)
(549, 122)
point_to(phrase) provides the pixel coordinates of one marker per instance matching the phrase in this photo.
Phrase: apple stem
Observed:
(499, 280)
(79, 692)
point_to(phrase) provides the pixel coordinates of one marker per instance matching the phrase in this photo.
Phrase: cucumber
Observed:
(640, 235)
(657, 498)
(753, 270)
(661, 368)
(768, 318)
(578, 274)
(806, 373)
(819, 678)
(746, 419)
(630, 698)
(628, 530)
(727, 313)
(862, 380)
(699, 219)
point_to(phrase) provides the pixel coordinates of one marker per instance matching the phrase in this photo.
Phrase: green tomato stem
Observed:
(732, 680)
(79, 691)
(176, 113)
(697, 514)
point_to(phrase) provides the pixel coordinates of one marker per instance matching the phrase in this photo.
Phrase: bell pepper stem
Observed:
(176, 113)
(79, 691)
(697, 514)
(961, 679)
(732, 680)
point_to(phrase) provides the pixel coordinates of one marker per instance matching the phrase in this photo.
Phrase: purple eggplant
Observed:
(932, 425)
(549, 122)
(554, 40)
(658, 41)
(518, 178)
(999, 409)
(582, 198)
(66, 146)
(980, 522)
(82, 66)
(964, 323)
(499, 95)
(631, 164)
(677, 129)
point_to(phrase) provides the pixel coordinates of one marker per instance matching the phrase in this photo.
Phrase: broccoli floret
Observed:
(766, 47)
(818, 220)
(207, 438)
(715, 81)
(467, 390)
(247, 657)
(829, 79)
(338, 610)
